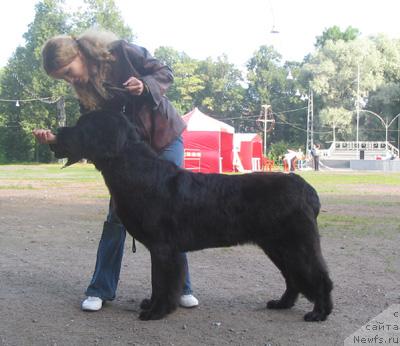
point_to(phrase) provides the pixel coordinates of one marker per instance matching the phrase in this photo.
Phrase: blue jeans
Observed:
(111, 247)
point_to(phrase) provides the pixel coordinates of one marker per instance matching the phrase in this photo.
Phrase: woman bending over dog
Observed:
(111, 74)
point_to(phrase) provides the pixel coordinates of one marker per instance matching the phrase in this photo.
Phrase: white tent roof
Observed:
(198, 121)
(243, 137)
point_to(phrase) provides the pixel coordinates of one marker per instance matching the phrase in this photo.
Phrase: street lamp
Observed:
(274, 30)
(385, 123)
(310, 121)
(310, 117)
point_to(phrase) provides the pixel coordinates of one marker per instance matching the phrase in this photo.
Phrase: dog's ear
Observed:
(102, 134)
(71, 161)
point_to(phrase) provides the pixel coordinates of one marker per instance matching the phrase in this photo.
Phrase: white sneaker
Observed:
(92, 304)
(188, 301)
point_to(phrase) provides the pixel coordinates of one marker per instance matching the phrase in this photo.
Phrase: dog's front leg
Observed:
(167, 283)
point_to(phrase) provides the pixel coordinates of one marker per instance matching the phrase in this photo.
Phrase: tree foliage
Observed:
(335, 34)
(213, 86)
(344, 73)
(101, 14)
(23, 78)
(339, 119)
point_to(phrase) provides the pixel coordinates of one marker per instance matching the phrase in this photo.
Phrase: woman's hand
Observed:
(134, 86)
(45, 136)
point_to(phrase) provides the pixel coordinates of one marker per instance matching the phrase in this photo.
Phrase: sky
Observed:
(210, 28)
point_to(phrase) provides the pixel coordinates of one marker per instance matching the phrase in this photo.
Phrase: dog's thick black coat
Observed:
(171, 210)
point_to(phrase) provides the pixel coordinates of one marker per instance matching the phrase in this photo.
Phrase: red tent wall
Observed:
(257, 150)
(250, 151)
(245, 154)
(208, 144)
(227, 151)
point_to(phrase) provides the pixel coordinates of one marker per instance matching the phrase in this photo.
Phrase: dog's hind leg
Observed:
(307, 267)
(291, 293)
(167, 282)
(317, 286)
(314, 282)
(322, 297)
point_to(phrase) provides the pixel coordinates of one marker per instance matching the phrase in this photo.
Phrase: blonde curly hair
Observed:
(61, 50)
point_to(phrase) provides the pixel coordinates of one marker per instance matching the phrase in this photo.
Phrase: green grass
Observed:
(50, 172)
(337, 225)
(16, 187)
(350, 182)
(323, 178)
(355, 200)
(358, 204)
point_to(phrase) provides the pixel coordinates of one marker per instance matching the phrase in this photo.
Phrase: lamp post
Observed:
(384, 122)
(310, 120)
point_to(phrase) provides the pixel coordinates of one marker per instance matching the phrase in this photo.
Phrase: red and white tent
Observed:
(208, 144)
(248, 147)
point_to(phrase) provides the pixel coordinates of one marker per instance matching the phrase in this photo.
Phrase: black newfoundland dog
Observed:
(171, 210)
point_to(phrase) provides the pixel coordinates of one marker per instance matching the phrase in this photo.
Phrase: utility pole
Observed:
(265, 129)
(266, 117)
(310, 123)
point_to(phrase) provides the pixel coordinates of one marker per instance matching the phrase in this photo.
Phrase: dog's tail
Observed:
(308, 194)
(313, 199)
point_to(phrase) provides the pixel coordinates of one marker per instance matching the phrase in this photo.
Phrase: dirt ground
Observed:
(48, 241)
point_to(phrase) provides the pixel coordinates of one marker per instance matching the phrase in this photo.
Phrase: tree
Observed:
(268, 84)
(101, 14)
(338, 119)
(390, 56)
(211, 85)
(223, 93)
(266, 77)
(187, 82)
(24, 79)
(334, 68)
(335, 34)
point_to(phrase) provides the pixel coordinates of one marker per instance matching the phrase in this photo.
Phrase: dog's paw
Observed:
(145, 304)
(152, 314)
(314, 316)
(279, 304)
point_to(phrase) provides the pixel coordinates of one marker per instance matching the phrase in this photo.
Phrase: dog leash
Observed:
(133, 245)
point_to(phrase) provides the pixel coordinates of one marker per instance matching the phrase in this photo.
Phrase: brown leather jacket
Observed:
(157, 120)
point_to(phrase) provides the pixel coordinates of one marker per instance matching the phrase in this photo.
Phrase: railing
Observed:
(395, 151)
(192, 159)
(361, 145)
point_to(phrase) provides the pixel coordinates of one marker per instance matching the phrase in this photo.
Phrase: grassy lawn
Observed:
(82, 179)
(358, 204)
(346, 182)
(50, 172)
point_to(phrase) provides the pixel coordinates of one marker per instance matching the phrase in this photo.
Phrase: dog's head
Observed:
(98, 135)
